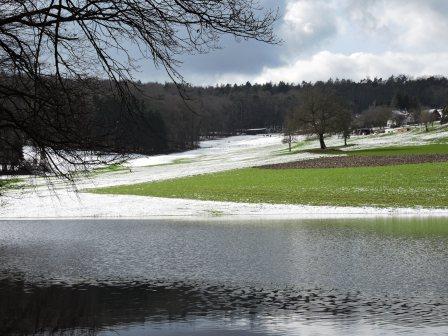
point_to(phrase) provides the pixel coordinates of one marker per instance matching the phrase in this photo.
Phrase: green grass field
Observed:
(434, 148)
(388, 186)
(404, 150)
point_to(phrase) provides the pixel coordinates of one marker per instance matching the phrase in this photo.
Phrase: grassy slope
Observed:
(111, 168)
(402, 185)
(404, 150)
(10, 183)
(438, 148)
(441, 147)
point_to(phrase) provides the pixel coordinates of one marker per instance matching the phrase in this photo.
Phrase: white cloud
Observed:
(307, 23)
(369, 38)
(402, 25)
(337, 38)
(325, 65)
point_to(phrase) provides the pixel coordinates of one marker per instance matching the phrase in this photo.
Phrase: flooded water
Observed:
(330, 277)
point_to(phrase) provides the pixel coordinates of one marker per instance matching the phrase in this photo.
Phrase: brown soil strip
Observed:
(359, 161)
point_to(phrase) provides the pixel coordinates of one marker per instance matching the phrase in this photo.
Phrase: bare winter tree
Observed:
(374, 116)
(319, 112)
(51, 52)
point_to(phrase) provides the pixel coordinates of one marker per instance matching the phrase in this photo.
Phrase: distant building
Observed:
(363, 131)
(255, 131)
(436, 114)
(400, 118)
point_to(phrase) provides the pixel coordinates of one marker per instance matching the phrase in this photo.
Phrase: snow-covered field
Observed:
(62, 201)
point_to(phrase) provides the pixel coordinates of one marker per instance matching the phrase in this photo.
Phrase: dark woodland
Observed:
(160, 120)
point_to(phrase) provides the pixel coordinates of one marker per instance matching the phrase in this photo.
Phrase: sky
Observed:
(322, 39)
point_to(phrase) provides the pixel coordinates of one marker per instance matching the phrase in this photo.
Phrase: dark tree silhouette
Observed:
(318, 112)
(374, 116)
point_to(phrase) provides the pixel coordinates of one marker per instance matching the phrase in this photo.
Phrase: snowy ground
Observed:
(61, 201)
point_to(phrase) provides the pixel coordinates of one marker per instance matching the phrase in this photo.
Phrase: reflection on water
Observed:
(58, 308)
(250, 278)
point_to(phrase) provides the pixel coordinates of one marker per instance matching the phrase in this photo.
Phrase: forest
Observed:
(163, 118)
(171, 121)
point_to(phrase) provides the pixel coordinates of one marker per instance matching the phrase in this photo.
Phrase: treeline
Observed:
(162, 118)
(230, 109)
(267, 105)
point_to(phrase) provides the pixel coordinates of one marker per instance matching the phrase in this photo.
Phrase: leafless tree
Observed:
(374, 116)
(51, 52)
(425, 119)
(343, 120)
(317, 112)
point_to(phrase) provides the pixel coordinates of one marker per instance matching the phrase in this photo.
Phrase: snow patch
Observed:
(212, 156)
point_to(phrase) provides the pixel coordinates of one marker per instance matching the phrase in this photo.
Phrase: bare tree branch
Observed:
(51, 51)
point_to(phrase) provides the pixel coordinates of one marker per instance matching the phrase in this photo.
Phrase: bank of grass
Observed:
(435, 148)
(182, 161)
(438, 148)
(296, 147)
(111, 168)
(443, 140)
(409, 185)
(10, 183)
(174, 162)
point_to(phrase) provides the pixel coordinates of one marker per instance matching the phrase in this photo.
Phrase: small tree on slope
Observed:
(320, 112)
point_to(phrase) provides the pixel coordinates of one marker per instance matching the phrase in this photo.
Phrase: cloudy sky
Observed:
(325, 39)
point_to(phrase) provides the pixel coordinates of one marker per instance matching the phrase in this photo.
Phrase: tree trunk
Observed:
(289, 142)
(345, 140)
(322, 142)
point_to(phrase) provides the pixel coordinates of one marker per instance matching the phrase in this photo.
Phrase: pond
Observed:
(168, 277)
